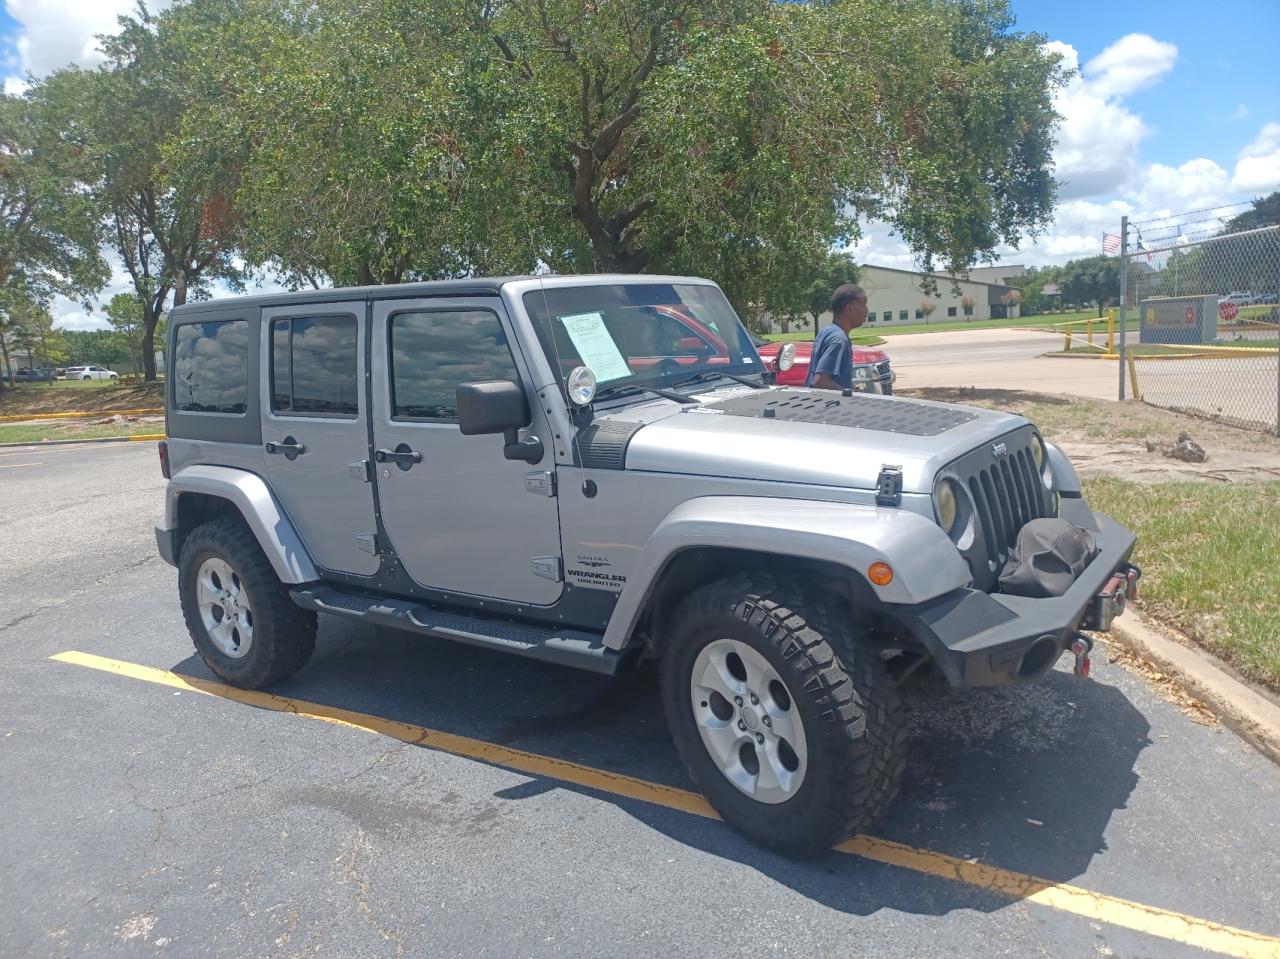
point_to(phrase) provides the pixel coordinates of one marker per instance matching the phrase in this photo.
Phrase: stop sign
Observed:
(1228, 311)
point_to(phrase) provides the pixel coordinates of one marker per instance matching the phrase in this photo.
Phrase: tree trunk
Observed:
(4, 350)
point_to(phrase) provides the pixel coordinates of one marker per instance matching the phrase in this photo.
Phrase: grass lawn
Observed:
(38, 432)
(1210, 557)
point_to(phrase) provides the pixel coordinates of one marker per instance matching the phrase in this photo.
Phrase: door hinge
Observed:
(368, 543)
(548, 567)
(889, 486)
(359, 470)
(541, 482)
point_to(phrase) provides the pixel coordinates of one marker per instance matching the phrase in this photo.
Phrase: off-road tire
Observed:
(284, 634)
(851, 713)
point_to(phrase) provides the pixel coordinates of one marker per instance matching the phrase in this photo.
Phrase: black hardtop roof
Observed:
(477, 286)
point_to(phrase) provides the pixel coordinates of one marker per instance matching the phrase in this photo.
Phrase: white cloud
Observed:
(55, 33)
(1098, 136)
(15, 86)
(1258, 168)
(1131, 63)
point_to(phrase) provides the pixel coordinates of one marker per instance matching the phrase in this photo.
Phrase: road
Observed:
(1245, 390)
(143, 818)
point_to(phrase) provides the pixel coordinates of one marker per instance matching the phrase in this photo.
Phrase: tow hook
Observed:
(1081, 646)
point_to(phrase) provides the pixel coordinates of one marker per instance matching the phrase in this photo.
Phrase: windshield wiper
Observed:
(698, 377)
(629, 388)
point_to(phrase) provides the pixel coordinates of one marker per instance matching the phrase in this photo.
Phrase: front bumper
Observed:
(990, 639)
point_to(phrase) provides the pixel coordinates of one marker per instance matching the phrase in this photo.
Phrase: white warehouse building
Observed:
(896, 297)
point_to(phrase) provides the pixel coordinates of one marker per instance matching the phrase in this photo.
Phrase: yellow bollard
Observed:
(1133, 376)
(1066, 340)
(1111, 331)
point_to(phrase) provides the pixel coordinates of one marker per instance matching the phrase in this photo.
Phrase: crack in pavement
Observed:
(63, 600)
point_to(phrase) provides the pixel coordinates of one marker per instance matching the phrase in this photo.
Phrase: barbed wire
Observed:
(1175, 216)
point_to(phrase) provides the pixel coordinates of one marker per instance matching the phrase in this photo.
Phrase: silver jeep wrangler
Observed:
(594, 471)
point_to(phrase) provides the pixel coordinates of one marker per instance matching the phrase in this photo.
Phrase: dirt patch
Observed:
(1129, 440)
(41, 398)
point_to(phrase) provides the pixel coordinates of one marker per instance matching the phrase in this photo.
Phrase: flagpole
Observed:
(1124, 318)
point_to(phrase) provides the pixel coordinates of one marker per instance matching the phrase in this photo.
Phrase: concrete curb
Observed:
(136, 438)
(1244, 710)
(76, 414)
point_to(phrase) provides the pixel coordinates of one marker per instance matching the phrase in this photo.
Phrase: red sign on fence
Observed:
(1228, 311)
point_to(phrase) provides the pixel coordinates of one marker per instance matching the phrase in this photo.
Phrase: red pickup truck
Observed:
(871, 371)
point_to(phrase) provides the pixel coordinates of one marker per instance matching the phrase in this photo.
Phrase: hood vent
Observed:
(861, 410)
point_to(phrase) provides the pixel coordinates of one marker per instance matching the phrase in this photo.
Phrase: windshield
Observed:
(654, 334)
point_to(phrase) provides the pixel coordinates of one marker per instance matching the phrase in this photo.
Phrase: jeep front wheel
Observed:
(245, 626)
(794, 745)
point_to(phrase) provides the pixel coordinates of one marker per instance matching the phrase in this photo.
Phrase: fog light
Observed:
(880, 573)
(582, 386)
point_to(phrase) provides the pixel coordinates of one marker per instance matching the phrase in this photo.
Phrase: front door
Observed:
(314, 430)
(461, 517)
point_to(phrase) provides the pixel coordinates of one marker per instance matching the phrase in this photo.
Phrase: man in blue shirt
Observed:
(831, 366)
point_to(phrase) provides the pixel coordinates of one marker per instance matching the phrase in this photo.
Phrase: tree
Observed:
(927, 307)
(1095, 279)
(1265, 212)
(172, 237)
(48, 228)
(967, 303)
(126, 315)
(381, 140)
(99, 347)
(805, 294)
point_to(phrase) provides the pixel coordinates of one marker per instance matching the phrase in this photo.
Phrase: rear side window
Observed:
(211, 367)
(433, 353)
(313, 366)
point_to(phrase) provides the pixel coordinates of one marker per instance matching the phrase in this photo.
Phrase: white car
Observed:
(90, 373)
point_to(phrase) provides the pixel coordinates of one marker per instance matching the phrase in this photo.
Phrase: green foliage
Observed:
(126, 314)
(1095, 279)
(1265, 212)
(48, 229)
(96, 348)
(381, 140)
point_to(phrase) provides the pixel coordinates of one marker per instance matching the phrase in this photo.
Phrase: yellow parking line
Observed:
(1162, 923)
(75, 415)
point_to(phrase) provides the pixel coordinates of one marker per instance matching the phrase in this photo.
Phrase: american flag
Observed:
(1110, 243)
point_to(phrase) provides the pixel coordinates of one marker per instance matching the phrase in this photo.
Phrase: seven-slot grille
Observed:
(1006, 492)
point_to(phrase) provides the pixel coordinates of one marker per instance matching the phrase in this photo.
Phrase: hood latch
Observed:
(889, 486)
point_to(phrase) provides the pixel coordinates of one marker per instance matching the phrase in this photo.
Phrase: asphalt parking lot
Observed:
(407, 797)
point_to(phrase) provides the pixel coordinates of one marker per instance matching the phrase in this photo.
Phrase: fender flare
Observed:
(250, 494)
(925, 562)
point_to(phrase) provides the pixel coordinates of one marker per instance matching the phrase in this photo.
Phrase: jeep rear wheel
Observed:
(794, 745)
(245, 626)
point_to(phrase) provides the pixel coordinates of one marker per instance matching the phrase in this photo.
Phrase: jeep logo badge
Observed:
(999, 449)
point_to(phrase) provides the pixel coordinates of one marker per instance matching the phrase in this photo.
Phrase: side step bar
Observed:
(567, 647)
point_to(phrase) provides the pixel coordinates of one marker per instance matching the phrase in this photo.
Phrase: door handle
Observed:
(403, 456)
(290, 447)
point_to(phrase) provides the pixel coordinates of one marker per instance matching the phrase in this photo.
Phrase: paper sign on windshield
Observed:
(595, 346)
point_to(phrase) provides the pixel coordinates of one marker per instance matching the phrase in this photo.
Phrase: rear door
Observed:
(461, 517)
(315, 432)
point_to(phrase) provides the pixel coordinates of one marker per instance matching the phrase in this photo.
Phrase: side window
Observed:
(433, 353)
(951, 311)
(902, 314)
(211, 367)
(313, 366)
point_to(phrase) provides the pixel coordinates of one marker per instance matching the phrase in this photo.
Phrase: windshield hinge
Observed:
(540, 482)
(889, 486)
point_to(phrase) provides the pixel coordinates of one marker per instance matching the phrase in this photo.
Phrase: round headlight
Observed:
(786, 357)
(1037, 451)
(862, 373)
(945, 502)
(582, 386)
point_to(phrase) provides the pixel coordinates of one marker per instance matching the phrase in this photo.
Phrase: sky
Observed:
(1175, 108)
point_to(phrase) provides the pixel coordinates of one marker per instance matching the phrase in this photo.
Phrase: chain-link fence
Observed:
(1204, 326)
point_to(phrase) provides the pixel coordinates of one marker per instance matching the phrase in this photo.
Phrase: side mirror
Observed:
(693, 344)
(498, 406)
